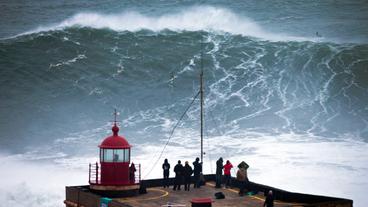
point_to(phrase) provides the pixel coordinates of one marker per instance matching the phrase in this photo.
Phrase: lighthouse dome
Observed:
(115, 141)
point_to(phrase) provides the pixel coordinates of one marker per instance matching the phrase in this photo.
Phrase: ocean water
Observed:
(286, 90)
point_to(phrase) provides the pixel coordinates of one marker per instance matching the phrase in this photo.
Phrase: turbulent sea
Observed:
(286, 90)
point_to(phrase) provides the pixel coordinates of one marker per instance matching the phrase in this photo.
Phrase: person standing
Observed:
(187, 172)
(197, 172)
(166, 169)
(242, 177)
(219, 167)
(178, 169)
(227, 173)
(132, 173)
(269, 200)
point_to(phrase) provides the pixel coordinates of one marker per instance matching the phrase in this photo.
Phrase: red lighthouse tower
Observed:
(115, 172)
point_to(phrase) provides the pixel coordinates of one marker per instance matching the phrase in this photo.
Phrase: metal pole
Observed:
(139, 173)
(96, 173)
(201, 91)
(89, 173)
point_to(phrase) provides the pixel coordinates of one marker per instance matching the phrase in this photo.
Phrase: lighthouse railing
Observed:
(93, 176)
(137, 176)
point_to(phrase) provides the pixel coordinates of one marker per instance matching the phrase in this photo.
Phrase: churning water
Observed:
(291, 103)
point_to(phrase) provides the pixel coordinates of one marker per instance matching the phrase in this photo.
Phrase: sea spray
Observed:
(199, 18)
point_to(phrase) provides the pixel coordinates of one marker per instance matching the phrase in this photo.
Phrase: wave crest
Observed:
(207, 18)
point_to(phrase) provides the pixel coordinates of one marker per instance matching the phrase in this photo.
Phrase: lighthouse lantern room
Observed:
(115, 171)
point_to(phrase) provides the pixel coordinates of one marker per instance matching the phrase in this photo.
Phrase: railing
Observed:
(95, 174)
(137, 174)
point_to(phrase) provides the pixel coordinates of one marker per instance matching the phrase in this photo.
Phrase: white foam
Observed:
(28, 183)
(207, 18)
(68, 62)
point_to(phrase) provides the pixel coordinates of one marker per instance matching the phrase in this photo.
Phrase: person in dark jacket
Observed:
(269, 200)
(197, 172)
(178, 169)
(187, 173)
(166, 169)
(219, 167)
(132, 173)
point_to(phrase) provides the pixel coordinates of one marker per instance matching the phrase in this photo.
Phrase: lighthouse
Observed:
(115, 171)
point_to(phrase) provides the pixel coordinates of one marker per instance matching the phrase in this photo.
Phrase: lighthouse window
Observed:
(107, 155)
(115, 155)
(126, 155)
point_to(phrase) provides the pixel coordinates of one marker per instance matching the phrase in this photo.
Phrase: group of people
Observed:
(241, 174)
(227, 172)
(183, 174)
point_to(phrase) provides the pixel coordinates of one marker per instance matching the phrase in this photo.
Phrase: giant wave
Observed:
(274, 87)
(205, 18)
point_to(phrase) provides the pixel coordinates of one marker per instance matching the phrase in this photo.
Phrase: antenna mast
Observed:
(115, 116)
(201, 92)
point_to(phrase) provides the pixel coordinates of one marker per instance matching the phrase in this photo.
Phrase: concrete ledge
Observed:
(113, 187)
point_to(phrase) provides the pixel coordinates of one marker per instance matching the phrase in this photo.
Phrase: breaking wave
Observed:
(315, 88)
(200, 18)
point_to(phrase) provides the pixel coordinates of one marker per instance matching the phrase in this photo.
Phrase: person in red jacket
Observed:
(227, 173)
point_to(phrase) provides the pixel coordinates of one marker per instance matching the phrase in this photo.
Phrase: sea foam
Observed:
(206, 18)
